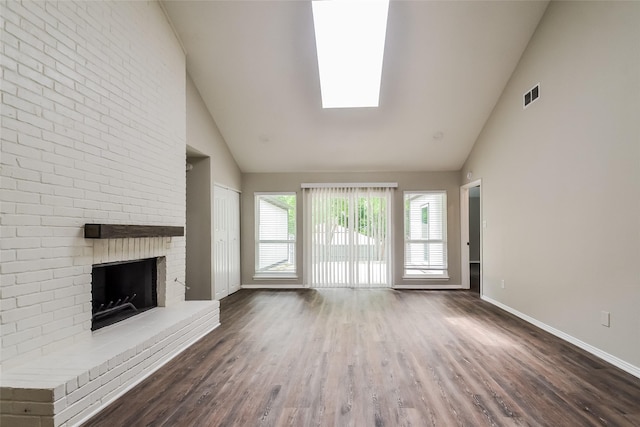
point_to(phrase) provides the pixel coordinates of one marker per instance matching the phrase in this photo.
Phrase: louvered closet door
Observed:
(227, 241)
(221, 247)
(234, 240)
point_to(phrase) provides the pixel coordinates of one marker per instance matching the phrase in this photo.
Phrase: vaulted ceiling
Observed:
(445, 66)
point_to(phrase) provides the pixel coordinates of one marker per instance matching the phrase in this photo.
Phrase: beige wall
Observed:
(212, 164)
(199, 230)
(203, 136)
(257, 182)
(561, 179)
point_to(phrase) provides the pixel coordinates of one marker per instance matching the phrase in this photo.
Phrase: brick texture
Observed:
(93, 130)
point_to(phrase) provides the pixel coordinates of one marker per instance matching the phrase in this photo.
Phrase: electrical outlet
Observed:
(502, 283)
(605, 318)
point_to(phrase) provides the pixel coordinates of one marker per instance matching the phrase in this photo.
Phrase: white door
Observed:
(226, 255)
(234, 240)
(221, 247)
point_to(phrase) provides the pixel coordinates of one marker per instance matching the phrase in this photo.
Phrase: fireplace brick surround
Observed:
(93, 131)
(66, 387)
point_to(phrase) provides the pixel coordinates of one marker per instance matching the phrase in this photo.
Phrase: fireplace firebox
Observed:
(121, 290)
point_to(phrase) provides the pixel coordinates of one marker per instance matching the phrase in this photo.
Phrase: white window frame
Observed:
(433, 274)
(289, 241)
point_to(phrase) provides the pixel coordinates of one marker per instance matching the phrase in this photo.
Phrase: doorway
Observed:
(350, 237)
(474, 239)
(198, 231)
(471, 234)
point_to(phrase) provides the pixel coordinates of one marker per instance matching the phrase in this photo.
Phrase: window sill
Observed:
(428, 278)
(275, 277)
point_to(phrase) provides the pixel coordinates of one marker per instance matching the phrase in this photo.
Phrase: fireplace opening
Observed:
(121, 290)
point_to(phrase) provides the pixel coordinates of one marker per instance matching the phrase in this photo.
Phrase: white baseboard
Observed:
(424, 286)
(274, 286)
(615, 361)
(398, 287)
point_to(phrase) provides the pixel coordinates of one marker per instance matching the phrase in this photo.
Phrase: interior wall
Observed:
(203, 136)
(561, 179)
(198, 232)
(204, 141)
(407, 181)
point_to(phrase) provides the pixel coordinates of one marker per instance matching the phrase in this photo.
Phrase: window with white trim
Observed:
(425, 234)
(275, 234)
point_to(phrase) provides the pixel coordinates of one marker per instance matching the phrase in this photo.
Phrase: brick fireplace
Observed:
(93, 131)
(123, 289)
(66, 386)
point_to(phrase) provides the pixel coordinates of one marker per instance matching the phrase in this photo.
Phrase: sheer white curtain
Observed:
(348, 236)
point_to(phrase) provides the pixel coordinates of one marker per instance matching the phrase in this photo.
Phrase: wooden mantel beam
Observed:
(121, 231)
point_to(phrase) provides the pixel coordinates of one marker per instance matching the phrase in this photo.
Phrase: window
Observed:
(275, 234)
(348, 238)
(425, 234)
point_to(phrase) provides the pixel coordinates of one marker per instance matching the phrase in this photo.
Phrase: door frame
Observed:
(464, 233)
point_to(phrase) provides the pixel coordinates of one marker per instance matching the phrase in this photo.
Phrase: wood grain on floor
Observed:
(341, 357)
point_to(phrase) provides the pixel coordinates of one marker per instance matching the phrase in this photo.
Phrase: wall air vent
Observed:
(532, 95)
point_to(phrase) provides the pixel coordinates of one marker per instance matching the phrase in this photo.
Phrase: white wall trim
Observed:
(425, 278)
(615, 361)
(276, 278)
(226, 187)
(398, 287)
(350, 185)
(426, 286)
(273, 286)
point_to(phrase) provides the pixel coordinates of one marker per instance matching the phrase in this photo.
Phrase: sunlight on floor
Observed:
(482, 335)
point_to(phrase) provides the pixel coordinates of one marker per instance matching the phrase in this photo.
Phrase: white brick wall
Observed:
(93, 130)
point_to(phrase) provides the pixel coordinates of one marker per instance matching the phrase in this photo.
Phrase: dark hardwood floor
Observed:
(377, 358)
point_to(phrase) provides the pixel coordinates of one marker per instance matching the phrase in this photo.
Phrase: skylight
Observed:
(350, 38)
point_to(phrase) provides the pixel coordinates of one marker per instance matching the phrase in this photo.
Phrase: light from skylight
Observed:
(350, 37)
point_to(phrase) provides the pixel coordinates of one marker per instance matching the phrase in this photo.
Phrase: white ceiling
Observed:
(445, 65)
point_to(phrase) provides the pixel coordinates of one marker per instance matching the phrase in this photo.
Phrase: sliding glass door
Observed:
(348, 237)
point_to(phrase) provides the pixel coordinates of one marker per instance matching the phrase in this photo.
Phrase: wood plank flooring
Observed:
(340, 357)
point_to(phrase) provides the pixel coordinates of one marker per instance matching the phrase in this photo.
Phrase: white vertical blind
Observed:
(348, 236)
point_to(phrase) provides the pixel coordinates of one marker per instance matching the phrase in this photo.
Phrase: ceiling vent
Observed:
(532, 95)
